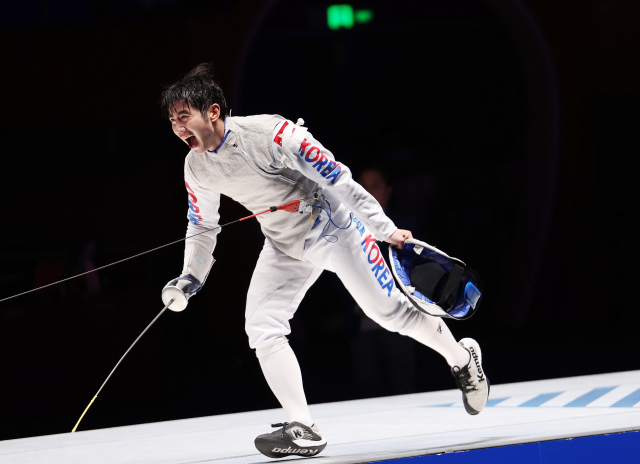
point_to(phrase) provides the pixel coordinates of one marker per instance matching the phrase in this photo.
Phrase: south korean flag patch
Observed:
(436, 283)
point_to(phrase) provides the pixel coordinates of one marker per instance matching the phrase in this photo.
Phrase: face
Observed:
(192, 128)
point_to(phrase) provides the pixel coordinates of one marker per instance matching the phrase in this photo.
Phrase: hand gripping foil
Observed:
(197, 264)
(180, 290)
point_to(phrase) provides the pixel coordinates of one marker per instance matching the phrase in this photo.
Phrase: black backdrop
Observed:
(439, 97)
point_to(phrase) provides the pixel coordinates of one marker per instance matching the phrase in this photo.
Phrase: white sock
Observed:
(434, 333)
(282, 371)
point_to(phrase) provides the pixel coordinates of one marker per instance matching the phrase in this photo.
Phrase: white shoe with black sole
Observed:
(471, 379)
(293, 439)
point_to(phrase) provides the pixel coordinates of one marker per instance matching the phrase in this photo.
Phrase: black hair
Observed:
(196, 89)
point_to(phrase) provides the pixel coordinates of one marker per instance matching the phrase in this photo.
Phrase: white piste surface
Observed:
(357, 431)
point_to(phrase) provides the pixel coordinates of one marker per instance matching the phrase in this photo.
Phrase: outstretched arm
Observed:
(298, 149)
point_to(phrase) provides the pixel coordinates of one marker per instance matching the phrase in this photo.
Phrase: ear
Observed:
(214, 112)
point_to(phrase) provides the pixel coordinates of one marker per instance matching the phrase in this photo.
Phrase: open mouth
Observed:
(191, 141)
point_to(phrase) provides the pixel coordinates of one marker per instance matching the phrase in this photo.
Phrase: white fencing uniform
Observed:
(267, 161)
(280, 282)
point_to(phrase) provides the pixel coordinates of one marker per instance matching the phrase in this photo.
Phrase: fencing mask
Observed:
(436, 283)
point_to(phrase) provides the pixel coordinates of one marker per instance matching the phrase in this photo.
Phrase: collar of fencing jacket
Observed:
(226, 133)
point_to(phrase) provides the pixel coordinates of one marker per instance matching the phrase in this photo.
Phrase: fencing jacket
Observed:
(265, 161)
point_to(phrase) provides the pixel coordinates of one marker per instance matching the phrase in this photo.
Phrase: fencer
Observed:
(266, 160)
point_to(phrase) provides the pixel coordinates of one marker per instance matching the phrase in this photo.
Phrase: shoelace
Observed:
(280, 424)
(463, 376)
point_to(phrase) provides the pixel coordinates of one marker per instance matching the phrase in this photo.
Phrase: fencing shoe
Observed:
(471, 379)
(293, 439)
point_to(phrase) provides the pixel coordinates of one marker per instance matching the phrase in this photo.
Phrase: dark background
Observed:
(507, 128)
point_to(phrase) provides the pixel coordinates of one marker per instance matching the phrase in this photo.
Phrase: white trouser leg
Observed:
(278, 285)
(358, 262)
(434, 333)
(280, 368)
(280, 282)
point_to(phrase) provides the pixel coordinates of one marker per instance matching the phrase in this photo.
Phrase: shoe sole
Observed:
(281, 445)
(283, 450)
